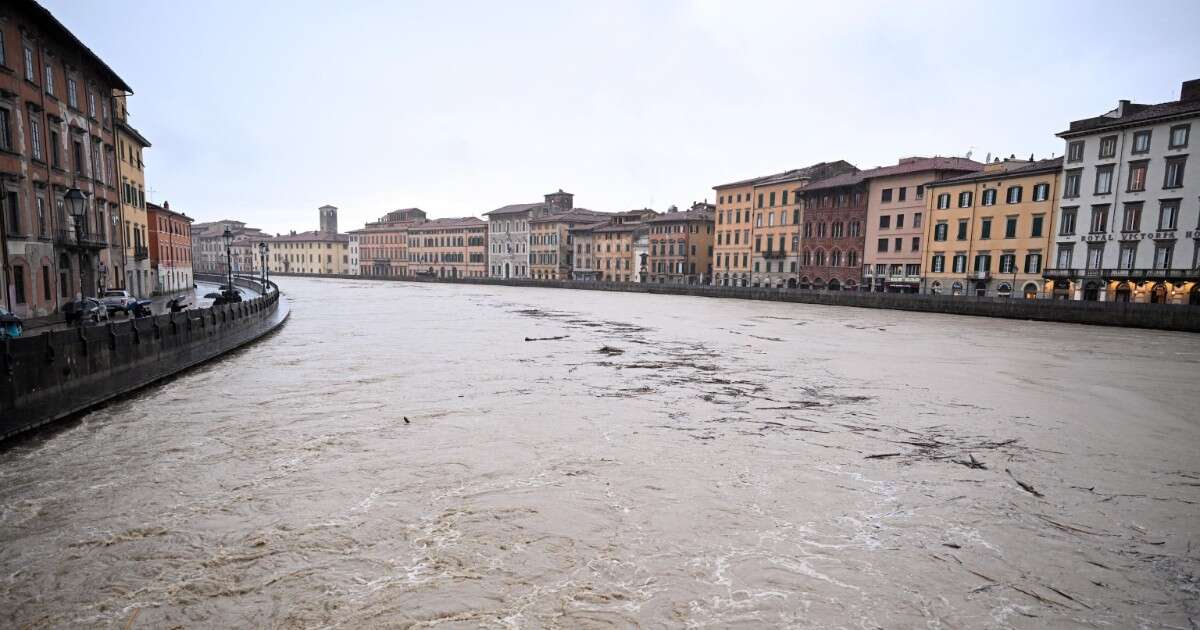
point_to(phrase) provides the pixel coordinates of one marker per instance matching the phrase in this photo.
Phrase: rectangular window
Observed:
(29, 74)
(50, 79)
(882, 245)
(885, 221)
(1036, 230)
(939, 231)
(18, 280)
(1179, 136)
(55, 156)
(921, 191)
(1071, 184)
(760, 200)
(1168, 215)
(1075, 151)
(1141, 141)
(1008, 263)
(1010, 227)
(916, 219)
(785, 194)
(939, 263)
(72, 93)
(1162, 256)
(985, 229)
(1066, 224)
(1065, 251)
(960, 263)
(772, 199)
(46, 294)
(35, 132)
(964, 199)
(1033, 262)
(13, 206)
(989, 197)
(916, 243)
(1108, 147)
(886, 195)
(1127, 255)
(1041, 192)
(902, 193)
(1174, 174)
(962, 229)
(91, 104)
(1131, 221)
(1099, 219)
(1014, 194)
(1137, 176)
(1095, 255)
(899, 219)
(899, 244)
(1104, 179)
(5, 130)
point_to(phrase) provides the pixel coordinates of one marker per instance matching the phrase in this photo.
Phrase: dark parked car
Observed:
(10, 325)
(84, 311)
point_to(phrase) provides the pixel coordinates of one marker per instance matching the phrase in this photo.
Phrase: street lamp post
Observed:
(263, 248)
(76, 204)
(227, 237)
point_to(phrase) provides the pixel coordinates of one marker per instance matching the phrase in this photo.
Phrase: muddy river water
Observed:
(579, 459)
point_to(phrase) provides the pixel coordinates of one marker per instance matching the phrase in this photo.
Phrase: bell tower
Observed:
(328, 219)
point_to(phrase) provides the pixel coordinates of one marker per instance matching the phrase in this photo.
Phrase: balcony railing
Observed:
(981, 275)
(774, 253)
(79, 237)
(141, 252)
(1124, 274)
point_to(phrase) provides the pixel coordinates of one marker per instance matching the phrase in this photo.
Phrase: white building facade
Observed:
(353, 267)
(508, 233)
(1128, 219)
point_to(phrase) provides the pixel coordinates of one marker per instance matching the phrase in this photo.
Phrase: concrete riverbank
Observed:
(50, 376)
(1124, 314)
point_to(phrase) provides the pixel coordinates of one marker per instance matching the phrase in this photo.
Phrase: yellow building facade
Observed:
(134, 270)
(988, 233)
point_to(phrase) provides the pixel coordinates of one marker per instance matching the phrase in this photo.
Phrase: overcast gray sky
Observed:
(265, 110)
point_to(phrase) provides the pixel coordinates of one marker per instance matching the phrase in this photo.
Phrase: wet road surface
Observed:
(642, 461)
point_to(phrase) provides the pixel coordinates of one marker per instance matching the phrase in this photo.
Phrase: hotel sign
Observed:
(1136, 236)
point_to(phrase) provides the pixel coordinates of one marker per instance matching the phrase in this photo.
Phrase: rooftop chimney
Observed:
(1190, 90)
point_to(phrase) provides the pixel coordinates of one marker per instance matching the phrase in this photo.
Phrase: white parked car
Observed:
(117, 300)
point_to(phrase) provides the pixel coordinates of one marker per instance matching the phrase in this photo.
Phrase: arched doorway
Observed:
(1004, 290)
(792, 284)
(1091, 292)
(818, 284)
(804, 283)
(1194, 294)
(956, 288)
(980, 288)
(1031, 291)
(834, 285)
(507, 270)
(1158, 295)
(1062, 289)
(1123, 293)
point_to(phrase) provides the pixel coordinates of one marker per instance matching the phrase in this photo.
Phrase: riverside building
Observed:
(323, 251)
(1129, 219)
(448, 248)
(383, 244)
(989, 232)
(56, 134)
(680, 246)
(551, 244)
(834, 211)
(508, 233)
(895, 225)
(170, 240)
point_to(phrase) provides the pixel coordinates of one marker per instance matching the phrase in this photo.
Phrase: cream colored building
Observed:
(135, 269)
(322, 251)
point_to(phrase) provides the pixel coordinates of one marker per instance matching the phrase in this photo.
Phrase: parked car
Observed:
(84, 311)
(10, 325)
(118, 300)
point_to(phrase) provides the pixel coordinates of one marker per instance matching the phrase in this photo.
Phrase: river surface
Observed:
(580, 459)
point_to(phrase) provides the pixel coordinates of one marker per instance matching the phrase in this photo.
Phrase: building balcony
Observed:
(1133, 275)
(80, 238)
(141, 252)
(981, 275)
(773, 254)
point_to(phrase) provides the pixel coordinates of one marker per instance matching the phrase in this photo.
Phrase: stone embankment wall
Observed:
(1155, 316)
(55, 374)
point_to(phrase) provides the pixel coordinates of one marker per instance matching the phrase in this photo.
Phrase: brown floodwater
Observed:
(643, 461)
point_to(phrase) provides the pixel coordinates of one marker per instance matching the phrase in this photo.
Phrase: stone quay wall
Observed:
(53, 375)
(1134, 315)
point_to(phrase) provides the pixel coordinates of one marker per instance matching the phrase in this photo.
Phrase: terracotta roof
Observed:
(1040, 166)
(1135, 114)
(820, 169)
(513, 209)
(685, 215)
(448, 223)
(312, 235)
(179, 215)
(573, 215)
(618, 227)
(920, 164)
(845, 179)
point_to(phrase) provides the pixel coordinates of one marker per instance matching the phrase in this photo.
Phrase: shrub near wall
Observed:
(1128, 314)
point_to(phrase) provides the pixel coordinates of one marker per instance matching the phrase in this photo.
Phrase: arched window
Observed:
(820, 262)
(807, 258)
(835, 258)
